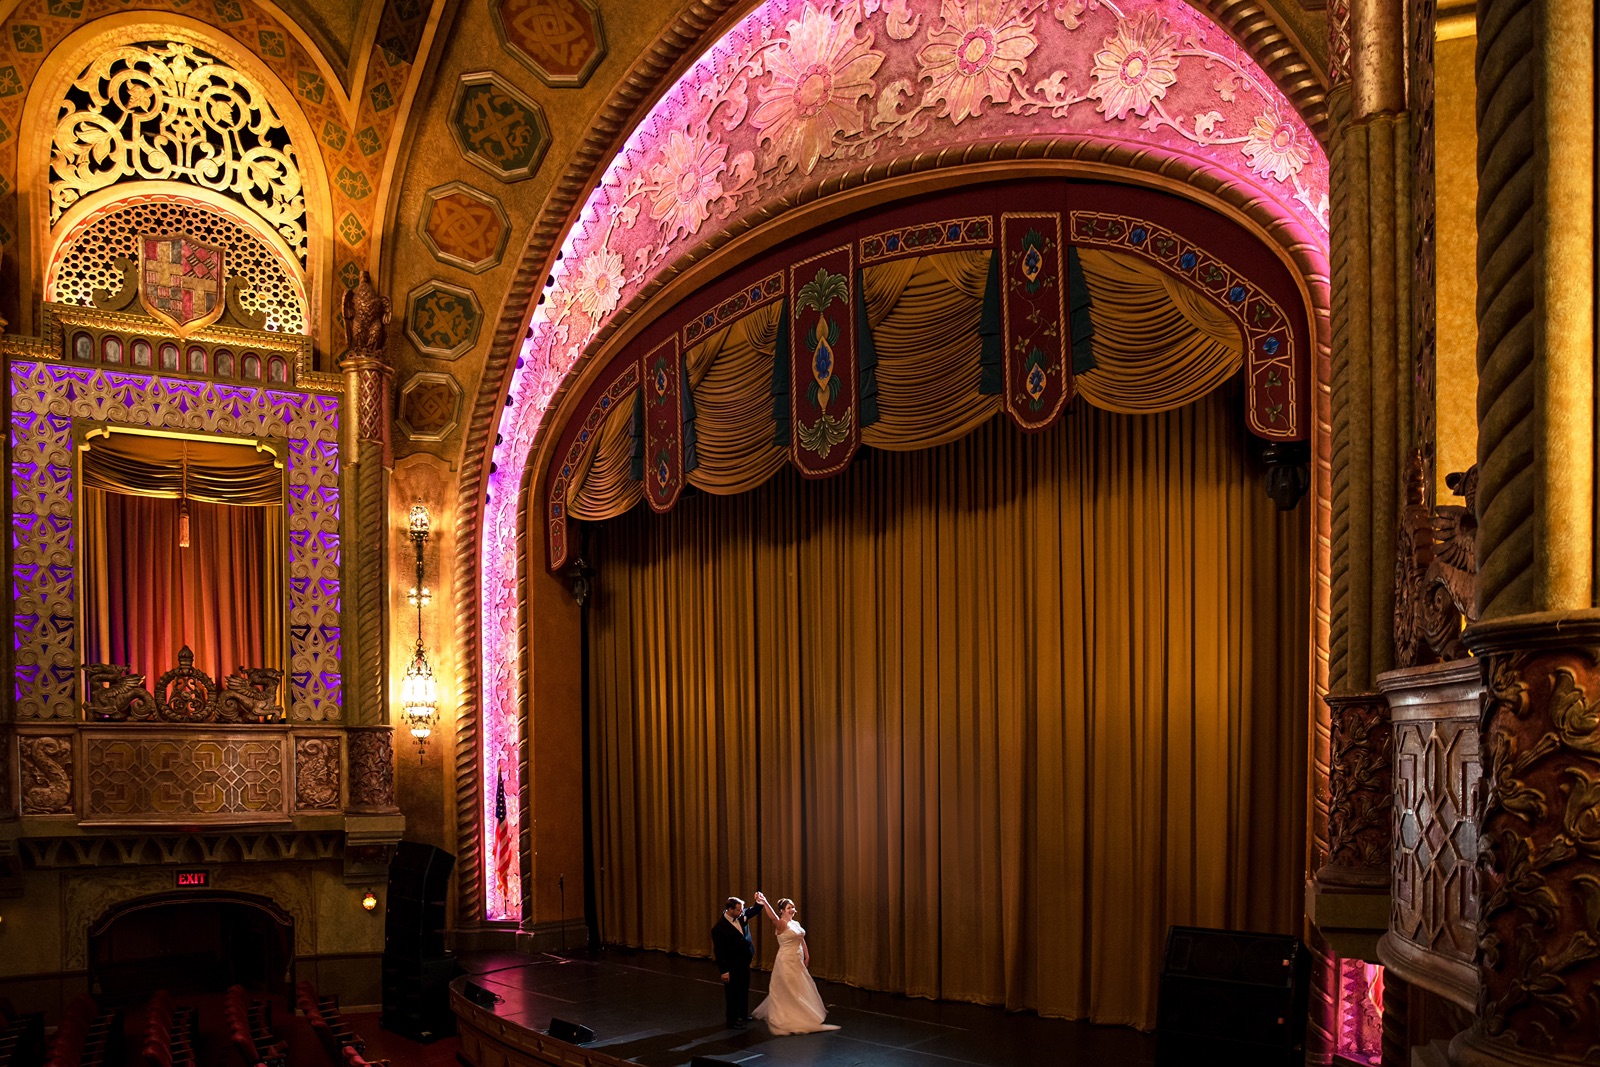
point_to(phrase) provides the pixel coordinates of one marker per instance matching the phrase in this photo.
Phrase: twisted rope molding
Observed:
(680, 43)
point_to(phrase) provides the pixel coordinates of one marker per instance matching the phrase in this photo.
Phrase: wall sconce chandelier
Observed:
(369, 901)
(419, 695)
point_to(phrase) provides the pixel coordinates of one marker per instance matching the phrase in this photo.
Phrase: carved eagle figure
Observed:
(366, 313)
(1455, 542)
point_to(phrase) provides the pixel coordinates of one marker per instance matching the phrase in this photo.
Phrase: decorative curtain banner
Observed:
(1033, 342)
(664, 411)
(729, 379)
(216, 472)
(602, 486)
(824, 364)
(1033, 313)
(923, 314)
(1169, 345)
(623, 383)
(1272, 364)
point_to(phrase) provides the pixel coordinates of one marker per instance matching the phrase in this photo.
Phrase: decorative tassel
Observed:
(183, 524)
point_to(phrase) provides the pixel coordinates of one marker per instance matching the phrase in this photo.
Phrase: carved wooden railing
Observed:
(1432, 934)
(184, 694)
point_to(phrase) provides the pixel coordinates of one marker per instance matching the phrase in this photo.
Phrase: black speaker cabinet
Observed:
(1229, 998)
(416, 996)
(572, 1033)
(414, 915)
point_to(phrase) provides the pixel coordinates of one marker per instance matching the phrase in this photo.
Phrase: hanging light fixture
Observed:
(183, 500)
(419, 694)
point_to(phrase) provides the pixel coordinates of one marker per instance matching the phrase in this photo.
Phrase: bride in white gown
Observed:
(793, 1005)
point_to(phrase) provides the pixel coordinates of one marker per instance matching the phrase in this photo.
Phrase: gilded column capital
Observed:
(1538, 954)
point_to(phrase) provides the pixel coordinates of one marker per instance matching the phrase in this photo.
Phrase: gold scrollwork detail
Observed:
(172, 112)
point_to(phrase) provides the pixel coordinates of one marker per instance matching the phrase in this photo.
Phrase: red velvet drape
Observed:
(147, 597)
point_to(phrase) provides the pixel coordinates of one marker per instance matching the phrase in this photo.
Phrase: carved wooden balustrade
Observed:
(194, 756)
(1438, 798)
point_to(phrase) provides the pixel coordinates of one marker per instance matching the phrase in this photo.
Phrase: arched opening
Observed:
(190, 942)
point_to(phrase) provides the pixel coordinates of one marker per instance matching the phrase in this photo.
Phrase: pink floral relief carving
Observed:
(800, 92)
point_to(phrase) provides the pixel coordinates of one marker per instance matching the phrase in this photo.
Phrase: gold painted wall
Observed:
(1456, 227)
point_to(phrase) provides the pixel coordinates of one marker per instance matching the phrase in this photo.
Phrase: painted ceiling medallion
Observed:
(499, 128)
(181, 281)
(443, 320)
(429, 407)
(464, 227)
(561, 41)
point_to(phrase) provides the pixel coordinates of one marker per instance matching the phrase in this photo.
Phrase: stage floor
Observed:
(662, 1010)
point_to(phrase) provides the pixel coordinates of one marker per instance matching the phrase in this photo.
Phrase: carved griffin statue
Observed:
(1449, 586)
(1436, 569)
(250, 695)
(366, 316)
(116, 694)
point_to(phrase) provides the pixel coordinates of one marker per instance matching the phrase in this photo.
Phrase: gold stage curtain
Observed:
(601, 487)
(217, 472)
(924, 317)
(1158, 343)
(225, 596)
(995, 714)
(730, 373)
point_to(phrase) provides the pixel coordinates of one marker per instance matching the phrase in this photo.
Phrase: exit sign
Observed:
(194, 879)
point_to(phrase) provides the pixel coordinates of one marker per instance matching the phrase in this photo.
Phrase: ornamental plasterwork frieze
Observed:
(171, 112)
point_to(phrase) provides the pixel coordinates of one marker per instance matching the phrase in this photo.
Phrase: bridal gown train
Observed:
(793, 1005)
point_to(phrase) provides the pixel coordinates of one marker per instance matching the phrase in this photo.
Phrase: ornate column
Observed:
(368, 380)
(372, 821)
(1538, 953)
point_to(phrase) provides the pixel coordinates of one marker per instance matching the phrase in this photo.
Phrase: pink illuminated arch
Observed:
(801, 95)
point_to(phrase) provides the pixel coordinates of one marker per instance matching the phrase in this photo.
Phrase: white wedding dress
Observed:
(793, 1005)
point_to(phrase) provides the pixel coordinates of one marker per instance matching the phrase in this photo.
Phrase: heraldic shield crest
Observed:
(180, 281)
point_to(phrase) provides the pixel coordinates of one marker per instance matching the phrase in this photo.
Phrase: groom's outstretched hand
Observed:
(760, 899)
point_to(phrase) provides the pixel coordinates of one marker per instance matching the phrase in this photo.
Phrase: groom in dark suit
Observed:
(730, 939)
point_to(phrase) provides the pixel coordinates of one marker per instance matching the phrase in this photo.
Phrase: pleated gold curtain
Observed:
(996, 714)
(145, 597)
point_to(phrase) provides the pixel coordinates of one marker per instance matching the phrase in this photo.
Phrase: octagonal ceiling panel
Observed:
(463, 227)
(443, 320)
(497, 127)
(429, 407)
(561, 41)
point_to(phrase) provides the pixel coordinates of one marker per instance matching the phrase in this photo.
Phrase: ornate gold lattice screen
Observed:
(171, 112)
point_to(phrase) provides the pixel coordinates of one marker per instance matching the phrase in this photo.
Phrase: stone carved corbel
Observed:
(1361, 793)
(371, 768)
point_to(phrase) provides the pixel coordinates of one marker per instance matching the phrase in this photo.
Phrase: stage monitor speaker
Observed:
(1228, 997)
(478, 995)
(572, 1033)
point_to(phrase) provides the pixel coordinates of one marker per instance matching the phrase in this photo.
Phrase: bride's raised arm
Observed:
(777, 923)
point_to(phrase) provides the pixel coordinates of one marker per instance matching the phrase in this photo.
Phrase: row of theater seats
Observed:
(168, 1038)
(342, 1044)
(21, 1036)
(249, 1024)
(86, 1037)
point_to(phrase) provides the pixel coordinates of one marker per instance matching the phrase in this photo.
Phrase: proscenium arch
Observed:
(489, 565)
(63, 66)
